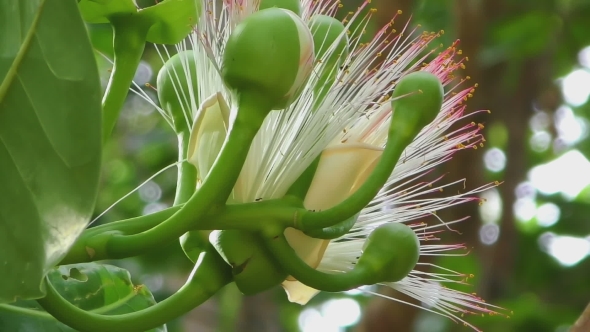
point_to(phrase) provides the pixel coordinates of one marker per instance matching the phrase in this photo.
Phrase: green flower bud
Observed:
(416, 101)
(331, 47)
(292, 5)
(253, 267)
(267, 59)
(391, 251)
(177, 83)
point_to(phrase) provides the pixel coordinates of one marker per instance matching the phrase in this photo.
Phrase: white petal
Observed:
(341, 171)
(208, 134)
(298, 292)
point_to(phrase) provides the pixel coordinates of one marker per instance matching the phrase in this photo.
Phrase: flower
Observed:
(347, 125)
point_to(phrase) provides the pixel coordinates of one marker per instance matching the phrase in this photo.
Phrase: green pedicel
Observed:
(416, 101)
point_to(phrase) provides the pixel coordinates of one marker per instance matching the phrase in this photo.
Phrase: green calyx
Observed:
(267, 59)
(292, 5)
(331, 45)
(391, 252)
(416, 101)
(253, 267)
(178, 88)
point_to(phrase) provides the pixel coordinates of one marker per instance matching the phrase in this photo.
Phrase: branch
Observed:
(583, 323)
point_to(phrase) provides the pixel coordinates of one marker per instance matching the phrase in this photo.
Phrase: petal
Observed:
(208, 134)
(298, 292)
(341, 171)
(310, 249)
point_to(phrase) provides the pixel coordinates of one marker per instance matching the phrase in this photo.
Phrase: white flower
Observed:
(348, 128)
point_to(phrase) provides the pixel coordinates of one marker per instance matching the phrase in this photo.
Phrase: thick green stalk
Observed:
(128, 43)
(92, 244)
(293, 265)
(209, 275)
(85, 250)
(309, 220)
(213, 193)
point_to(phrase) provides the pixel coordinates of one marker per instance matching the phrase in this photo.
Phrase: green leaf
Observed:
(172, 20)
(98, 11)
(169, 21)
(103, 289)
(50, 146)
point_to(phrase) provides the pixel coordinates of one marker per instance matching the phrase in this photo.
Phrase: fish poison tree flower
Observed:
(332, 114)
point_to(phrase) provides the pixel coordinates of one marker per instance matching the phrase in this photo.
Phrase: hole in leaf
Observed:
(76, 274)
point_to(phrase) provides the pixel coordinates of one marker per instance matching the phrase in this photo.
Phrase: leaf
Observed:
(103, 289)
(168, 21)
(50, 147)
(98, 11)
(172, 20)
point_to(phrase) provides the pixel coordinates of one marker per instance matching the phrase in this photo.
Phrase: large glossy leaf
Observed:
(49, 139)
(103, 289)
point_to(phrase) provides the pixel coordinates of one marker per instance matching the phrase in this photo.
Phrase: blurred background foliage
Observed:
(529, 243)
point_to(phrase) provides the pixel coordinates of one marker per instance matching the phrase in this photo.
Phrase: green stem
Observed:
(294, 266)
(187, 173)
(300, 187)
(209, 275)
(91, 245)
(397, 141)
(128, 45)
(85, 250)
(211, 195)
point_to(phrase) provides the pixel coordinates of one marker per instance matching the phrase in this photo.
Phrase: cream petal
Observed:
(208, 133)
(309, 249)
(341, 171)
(338, 174)
(298, 292)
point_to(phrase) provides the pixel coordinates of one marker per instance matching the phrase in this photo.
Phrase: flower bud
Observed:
(331, 47)
(416, 101)
(177, 85)
(253, 267)
(390, 253)
(292, 5)
(268, 58)
(208, 134)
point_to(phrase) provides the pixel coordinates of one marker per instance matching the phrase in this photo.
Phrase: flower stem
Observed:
(83, 249)
(211, 195)
(209, 275)
(296, 267)
(187, 173)
(91, 245)
(362, 197)
(128, 43)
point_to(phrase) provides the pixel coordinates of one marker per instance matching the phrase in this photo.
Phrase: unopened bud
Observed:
(292, 5)
(391, 252)
(177, 87)
(416, 101)
(268, 58)
(331, 48)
